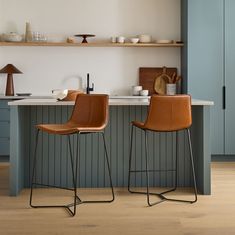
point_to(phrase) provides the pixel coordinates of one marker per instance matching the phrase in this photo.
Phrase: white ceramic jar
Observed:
(136, 90)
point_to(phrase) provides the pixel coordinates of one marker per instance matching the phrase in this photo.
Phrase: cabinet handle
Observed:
(224, 97)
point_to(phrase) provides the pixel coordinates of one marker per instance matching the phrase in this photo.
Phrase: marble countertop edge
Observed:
(112, 102)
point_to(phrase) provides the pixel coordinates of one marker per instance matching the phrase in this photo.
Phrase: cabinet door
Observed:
(4, 146)
(205, 61)
(230, 76)
(4, 128)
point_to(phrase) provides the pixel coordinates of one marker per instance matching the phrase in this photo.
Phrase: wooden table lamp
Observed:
(10, 69)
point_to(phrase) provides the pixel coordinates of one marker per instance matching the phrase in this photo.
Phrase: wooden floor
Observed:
(129, 214)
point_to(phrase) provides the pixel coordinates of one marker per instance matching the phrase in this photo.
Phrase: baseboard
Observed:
(223, 158)
(214, 158)
(4, 158)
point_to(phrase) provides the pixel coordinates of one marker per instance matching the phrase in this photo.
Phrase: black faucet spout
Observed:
(88, 88)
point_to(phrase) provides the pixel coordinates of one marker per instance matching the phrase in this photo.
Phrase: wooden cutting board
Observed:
(147, 77)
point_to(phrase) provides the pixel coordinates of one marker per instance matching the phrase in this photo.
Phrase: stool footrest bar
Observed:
(52, 186)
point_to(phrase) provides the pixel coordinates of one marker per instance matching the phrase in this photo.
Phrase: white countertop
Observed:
(121, 100)
(17, 97)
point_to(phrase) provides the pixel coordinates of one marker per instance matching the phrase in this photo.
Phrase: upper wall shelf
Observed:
(64, 44)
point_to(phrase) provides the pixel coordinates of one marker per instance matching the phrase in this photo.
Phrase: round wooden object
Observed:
(160, 83)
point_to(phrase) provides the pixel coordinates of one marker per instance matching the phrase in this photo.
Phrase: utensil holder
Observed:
(170, 89)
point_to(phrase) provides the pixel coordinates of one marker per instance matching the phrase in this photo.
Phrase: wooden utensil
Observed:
(160, 85)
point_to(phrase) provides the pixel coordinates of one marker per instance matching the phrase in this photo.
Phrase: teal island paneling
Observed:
(54, 167)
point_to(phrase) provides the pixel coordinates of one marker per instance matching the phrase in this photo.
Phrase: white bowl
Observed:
(11, 37)
(59, 94)
(144, 92)
(134, 40)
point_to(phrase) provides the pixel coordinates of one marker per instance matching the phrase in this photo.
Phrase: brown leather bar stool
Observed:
(90, 115)
(165, 114)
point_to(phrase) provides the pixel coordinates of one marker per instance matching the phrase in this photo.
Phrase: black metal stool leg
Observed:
(108, 166)
(161, 195)
(193, 174)
(110, 178)
(176, 165)
(148, 193)
(147, 175)
(130, 157)
(192, 166)
(146, 167)
(76, 198)
(176, 158)
(34, 167)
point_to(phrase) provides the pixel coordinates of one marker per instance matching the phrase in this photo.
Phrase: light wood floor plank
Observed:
(129, 214)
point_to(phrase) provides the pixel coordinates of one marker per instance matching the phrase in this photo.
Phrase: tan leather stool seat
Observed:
(67, 128)
(168, 113)
(90, 114)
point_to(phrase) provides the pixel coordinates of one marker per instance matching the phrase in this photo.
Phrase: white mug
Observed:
(136, 90)
(120, 39)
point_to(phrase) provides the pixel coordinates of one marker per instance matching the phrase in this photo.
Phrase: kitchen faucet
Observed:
(88, 88)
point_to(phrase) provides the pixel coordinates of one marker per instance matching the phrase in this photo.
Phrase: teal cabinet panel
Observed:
(229, 76)
(4, 146)
(205, 58)
(5, 129)
(208, 64)
(4, 103)
(5, 114)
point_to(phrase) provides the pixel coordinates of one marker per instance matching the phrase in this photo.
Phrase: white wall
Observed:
(113, 70)
(1, 26)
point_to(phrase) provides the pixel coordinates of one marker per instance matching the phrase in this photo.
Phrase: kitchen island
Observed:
(54, 167)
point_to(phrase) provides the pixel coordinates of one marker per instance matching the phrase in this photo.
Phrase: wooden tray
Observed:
(147, 77)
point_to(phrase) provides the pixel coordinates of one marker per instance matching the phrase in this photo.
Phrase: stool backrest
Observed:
(169, 113)
(90, 111)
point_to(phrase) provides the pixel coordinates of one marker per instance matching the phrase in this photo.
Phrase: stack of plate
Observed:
(164, 41)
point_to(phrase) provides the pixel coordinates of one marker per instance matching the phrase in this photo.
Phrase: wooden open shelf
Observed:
(64, 44)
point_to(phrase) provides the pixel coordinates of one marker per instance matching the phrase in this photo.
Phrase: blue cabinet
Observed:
(208, 32)
(229, 40)
(4, 128)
